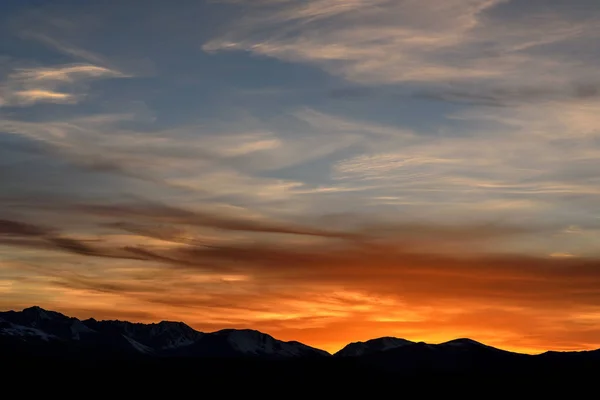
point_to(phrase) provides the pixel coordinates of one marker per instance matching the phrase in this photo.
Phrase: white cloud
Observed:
(64, 84)
(385, 41)
(223, 182)
(541, 158)
(67, 73)
(547, 120)
(332, 123)
(504, 167)
(25, 97)
(205, 163)
(234, 145)
(379, 166)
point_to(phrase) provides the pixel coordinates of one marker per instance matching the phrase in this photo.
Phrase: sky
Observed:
(326, 171)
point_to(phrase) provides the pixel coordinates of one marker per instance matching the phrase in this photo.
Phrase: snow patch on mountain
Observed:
(11, 329)
(138, 346)
(160, 336)
(251, 342)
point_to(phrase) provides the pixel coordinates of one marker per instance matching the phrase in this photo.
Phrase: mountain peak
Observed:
(173, 324)
(248, 343)
(372, 346)
(463, 342)
(166, 322)
(36, 308)
(36, 313)
(160, 336)
(39, 311)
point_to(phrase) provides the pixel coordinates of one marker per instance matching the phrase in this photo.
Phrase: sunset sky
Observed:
(324, 171)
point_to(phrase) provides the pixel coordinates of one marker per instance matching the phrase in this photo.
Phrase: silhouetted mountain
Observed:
(50, 332)
(455, 355)
(372, 346)
(43, 323)
(245, 342)
(161, 336)
(121, 345)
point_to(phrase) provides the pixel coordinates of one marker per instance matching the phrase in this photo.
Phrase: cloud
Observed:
(61, 84)
(530, 158)
(170, 215)
(210, 162)
(561, 121)
(10, 228)
(21, 234)
(75, 33)
(67, 73)
(541, 153)
(180, 231)
(506, 96)
(380, 165)
(408, 41)
(367, 129)
(421, 279)
(33, 96)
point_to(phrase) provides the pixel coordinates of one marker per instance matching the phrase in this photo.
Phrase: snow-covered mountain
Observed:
(10, 329)
(246, 342)
(165, 338)
(161, 336)
(356, 349)
(47, 325)
(35, 325)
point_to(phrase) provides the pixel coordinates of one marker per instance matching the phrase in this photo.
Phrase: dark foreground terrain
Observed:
(347, 377)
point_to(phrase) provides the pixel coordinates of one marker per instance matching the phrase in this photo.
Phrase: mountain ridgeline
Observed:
(42, 334)
(40, 331)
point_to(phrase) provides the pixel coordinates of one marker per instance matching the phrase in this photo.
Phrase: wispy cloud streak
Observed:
(407, 41)
(62, 84)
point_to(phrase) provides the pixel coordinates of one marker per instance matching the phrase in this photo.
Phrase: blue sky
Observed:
(425, 116)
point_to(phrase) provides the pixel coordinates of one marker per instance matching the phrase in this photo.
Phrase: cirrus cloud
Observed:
(63, 84)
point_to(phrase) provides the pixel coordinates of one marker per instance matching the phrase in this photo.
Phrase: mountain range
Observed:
(54, 333)
(41, 333)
